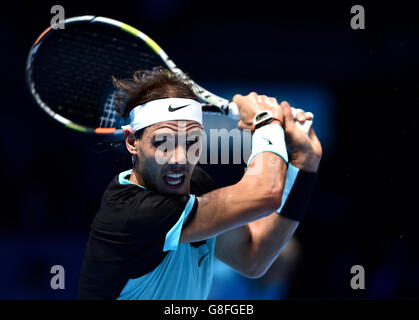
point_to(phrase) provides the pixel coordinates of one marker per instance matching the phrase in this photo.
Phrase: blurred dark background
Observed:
(362, 86)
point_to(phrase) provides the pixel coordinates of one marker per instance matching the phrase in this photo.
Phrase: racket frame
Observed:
(221, 105)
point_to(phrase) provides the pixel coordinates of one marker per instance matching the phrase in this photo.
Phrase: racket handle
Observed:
(233, 113)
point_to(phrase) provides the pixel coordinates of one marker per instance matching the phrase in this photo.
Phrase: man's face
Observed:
(167, 154)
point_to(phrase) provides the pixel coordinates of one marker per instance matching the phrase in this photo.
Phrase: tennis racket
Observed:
(69, 73)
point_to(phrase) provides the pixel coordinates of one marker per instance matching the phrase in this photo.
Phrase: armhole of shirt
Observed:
(173, 235)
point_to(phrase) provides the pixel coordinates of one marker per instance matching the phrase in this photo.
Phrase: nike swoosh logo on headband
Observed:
(177, 108)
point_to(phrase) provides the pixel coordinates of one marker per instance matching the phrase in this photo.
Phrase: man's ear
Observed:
(129, 138)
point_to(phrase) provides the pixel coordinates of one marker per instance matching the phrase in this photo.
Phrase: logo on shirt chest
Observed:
(201, 259)
(202, 252)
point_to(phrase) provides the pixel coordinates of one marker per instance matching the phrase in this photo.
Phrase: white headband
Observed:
(164, 110)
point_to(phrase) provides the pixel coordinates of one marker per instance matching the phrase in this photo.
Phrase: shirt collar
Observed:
(124, 181)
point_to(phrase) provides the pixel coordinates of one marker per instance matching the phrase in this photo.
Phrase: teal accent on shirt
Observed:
(185, 273)
(172, 237)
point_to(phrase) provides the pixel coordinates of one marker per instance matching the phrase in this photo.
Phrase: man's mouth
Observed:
(174, 180)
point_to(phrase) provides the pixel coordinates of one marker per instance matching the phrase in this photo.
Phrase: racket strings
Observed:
(110, 118)
(73, 71)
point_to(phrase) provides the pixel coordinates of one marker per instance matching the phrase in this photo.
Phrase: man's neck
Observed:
(136, 178)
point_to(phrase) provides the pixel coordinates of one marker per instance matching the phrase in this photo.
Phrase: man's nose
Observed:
(178, 155)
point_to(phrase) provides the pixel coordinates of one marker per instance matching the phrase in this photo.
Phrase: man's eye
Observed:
(159, 142)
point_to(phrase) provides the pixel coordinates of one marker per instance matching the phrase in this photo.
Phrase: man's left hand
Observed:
(306, 150)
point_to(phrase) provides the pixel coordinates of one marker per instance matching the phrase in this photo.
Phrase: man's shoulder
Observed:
(138, 202)
(202, 182)
(123, 201)
(117, 191)
(120, 191)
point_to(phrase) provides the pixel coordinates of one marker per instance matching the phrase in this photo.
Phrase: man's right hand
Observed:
(252, 104)
(306, 148)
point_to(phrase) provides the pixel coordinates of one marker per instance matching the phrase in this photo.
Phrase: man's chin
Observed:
(179, 192)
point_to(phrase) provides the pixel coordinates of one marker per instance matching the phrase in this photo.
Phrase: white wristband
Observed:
(269, 138)
(292, 173)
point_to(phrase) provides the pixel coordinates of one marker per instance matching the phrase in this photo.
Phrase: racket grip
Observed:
(233, 113)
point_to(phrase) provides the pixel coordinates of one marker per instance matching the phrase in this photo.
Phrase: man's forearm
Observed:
(268, 237)
(252, 248)
(256, 195)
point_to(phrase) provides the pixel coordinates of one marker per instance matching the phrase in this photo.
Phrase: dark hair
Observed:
(148, 85)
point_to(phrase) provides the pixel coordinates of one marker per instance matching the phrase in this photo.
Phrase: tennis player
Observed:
(161, 223)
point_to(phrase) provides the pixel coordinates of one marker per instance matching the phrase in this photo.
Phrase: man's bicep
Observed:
(254, 196)
(217, 212)
(206, 221)
(224, 209)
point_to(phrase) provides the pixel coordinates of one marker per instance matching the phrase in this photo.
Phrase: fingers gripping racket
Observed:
(69, 72)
